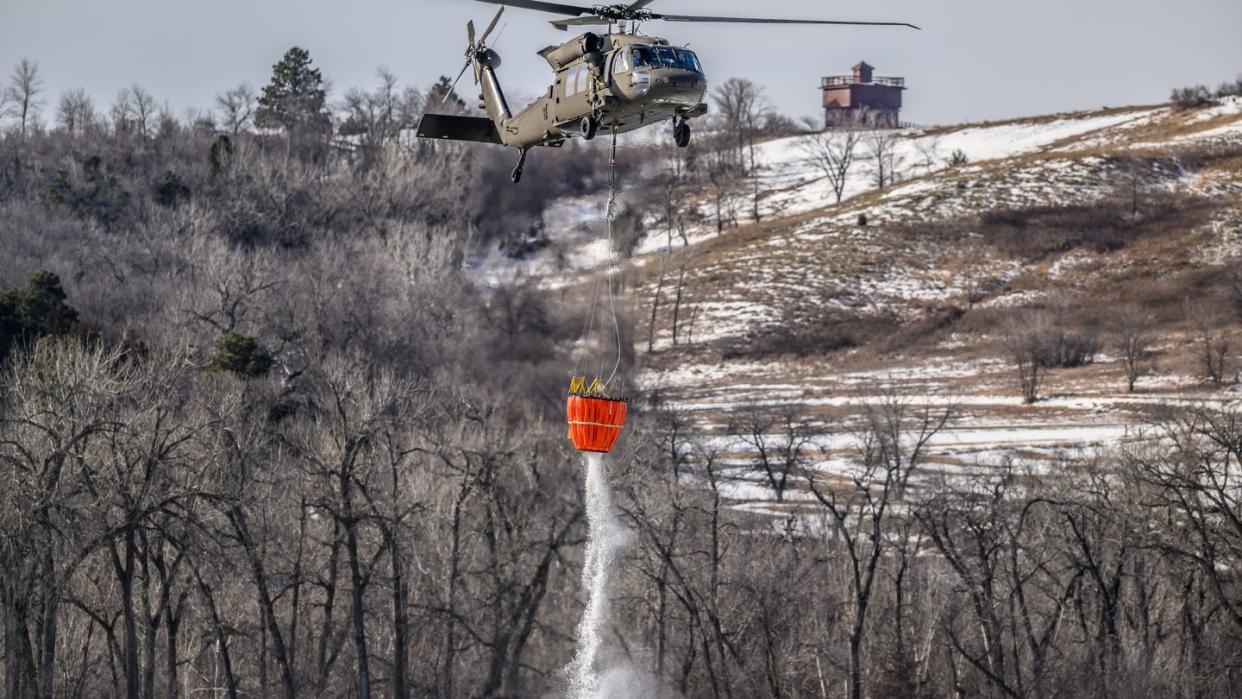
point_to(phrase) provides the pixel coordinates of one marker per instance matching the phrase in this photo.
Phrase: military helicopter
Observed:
(620, 81)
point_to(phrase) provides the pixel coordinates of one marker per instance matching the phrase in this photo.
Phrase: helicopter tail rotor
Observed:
(477, 51)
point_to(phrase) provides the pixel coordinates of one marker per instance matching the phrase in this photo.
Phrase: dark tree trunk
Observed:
(222, 641)
(400, 627)
(358, 609)
(125, 577)
(258, 575)
(19, 670)
(329, 606)
(51, 604)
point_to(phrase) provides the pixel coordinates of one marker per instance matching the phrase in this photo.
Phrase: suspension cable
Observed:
(612, 214)
(606, 260)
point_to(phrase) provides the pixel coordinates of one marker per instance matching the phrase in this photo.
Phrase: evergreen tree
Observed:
(443, 95)
(37, 312)
(295, 98)
(10, 321)
(241, 355)
(43, 310)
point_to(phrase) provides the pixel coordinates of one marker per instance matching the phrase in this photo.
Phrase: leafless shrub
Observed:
(832, 152)
(885, 158)
(1208, 321)
(76, 112)
(779, 442)
(1025, 336)
(236, 107)
(1065, 344)
(1191, 97)
(134, 111)
(1132, 329)
(1230, 88)
(929, 153)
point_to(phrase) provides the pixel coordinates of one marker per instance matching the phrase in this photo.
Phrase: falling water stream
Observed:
(605, 538)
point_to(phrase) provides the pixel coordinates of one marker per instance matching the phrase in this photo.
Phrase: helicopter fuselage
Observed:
(615, 82)
(622, 81)
(612, 81)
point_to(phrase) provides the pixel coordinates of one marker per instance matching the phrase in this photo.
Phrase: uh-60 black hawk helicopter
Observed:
(618, 81)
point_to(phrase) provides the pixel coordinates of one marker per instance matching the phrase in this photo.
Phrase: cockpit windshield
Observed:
(665, 57)
(688, 60)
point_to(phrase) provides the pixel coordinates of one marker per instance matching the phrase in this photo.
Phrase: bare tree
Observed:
(883, 153)
(22, 94)
(236, 107)
(22, 97)
(1212, 338)
(75, 112)
(740, 106)
(685, 259)
(1024, 336)
(672, 180)
(929, 153)
(890, 449)
(832, 152)
(1193, 470)
(134, 111)
(1132, 329)
(724, 174)
(779, 443)
(377, 117)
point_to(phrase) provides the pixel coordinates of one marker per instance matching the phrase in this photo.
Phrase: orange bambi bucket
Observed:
(595, 423)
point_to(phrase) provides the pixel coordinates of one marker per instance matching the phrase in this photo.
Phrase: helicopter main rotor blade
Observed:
(768, 20)
(580, 21)
(487, 32)
(636, 10)
(554, 7)
(470, 31)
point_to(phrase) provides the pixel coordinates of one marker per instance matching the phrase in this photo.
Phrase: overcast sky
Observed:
(974, 59)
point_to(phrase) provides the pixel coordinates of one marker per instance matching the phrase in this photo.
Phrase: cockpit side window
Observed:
(642, 57)
(621, 63)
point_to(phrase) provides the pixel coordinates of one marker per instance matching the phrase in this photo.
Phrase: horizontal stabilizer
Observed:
(458, 128)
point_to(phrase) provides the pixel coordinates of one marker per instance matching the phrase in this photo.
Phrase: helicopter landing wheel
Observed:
(589, 126)
(681, 134)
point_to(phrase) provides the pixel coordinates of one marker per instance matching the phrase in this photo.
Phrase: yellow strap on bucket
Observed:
(595, 424)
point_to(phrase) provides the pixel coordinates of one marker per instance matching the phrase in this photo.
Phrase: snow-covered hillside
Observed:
(808, 266)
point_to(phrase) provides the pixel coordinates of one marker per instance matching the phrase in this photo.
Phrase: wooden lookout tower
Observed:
(862, 100)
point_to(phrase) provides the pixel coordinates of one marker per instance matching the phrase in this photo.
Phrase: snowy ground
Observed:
(816, 257)
(990, 425)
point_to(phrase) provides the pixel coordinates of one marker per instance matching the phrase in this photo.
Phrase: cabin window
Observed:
(571, 82)
(583, 74)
